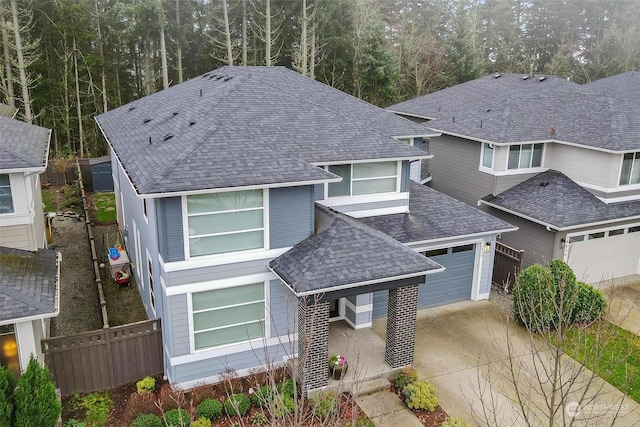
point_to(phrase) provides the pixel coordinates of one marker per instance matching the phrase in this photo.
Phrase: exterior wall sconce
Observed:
(487, 248)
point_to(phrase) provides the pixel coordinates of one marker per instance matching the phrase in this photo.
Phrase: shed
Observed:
(101, 174)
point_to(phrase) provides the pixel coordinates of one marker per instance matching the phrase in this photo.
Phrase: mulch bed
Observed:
(428, 418)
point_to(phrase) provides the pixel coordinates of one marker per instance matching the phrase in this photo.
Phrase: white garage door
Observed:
(604, 254)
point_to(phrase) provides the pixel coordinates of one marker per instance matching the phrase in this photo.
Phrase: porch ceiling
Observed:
(344, 254)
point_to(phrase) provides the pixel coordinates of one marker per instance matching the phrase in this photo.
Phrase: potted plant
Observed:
(337, 366)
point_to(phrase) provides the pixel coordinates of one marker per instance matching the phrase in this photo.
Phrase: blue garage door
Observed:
(453, 284)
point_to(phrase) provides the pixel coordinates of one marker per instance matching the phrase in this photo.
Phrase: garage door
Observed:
(605, 254)
(453, 284)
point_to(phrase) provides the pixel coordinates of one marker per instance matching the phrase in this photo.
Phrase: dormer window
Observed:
(361, 179)
(487, 155)
(6, 201)
(630, 173)
(525, 156)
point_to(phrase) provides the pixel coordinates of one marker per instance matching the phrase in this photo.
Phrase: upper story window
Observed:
(225, 222)
(525, 156)
(6, 201)
(229, 315)
(487, 155)
(364, 178)
(630, 173)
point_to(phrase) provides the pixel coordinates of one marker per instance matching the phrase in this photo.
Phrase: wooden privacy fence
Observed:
(104, 359)
(64, 171)
(507, 265)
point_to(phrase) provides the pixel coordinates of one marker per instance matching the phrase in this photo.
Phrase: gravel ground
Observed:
(79, 301)
(501, 300)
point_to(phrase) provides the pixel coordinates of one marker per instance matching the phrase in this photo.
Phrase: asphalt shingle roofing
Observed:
(509, 109)
(240, 126)
(27, 283)
(344, 252)
(625, 86)
(22, 145)
(551, 198)
(435, 216)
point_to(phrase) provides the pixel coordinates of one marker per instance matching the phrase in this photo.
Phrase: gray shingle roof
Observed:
(239, 126)
(7, 111)
(625, 86)
(344, 252)
(509, 109)
(553, 199)
(28, 283)
(435, 216)
(22, 145)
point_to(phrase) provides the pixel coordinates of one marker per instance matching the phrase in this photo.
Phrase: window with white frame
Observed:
(525, 156)
(364, 178)
(225, 222)
(6, 201)
(487, 155)
(630, 173)
(228, 315)
(152, 294)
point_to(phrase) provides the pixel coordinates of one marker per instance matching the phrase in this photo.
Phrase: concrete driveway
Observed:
(463, 349)
(623, 296)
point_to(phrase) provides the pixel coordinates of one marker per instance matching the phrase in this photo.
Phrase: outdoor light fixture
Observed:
(487, 247)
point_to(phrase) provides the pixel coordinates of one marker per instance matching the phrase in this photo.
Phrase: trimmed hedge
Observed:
(534, 298)
(590, 304)
(177, 418)
(36, 403)
(210, 409)
(421, 395)
(147, 420)
(237, 404)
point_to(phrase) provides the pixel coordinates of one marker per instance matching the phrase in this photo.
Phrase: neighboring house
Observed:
(257, 205)
(559, 160)
(29, 273)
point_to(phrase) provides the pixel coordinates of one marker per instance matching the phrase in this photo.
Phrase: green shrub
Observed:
(97, 407)
(325, 403)
(281, 406)
(286, 388)
(259, 419)
(210, 409)
(35, 398)
(455, 422)
(421, 395)
(146, 385)
(74, 423)
(237, 404)
(147, 420)
(406, 376)
(177, 418)
(590, 304)
(565, 288)
(7, 385)
(201, 422)
(534, 298)
(262, 396)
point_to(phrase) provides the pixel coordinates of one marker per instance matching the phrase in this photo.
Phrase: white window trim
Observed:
(397, 176)
(145, 210)
(530, 168)
(265, 229)
(482, 167)
(222, 284)
(138, 249)
(11, 191)
(151, 277)
(629, 186)
(585, 233)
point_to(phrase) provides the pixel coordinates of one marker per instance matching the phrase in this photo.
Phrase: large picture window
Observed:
(228, 315)
(487, 155)
(225, 222)
(630, 173)
(525, 156)
(6, 201)
(364, 178)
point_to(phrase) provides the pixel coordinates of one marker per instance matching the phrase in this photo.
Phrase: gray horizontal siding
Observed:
(405, 176)
(252, 359)
(290, 215)
(318, 192)
(170, 233)
(216, 272)
(283, 309)
(177, 328)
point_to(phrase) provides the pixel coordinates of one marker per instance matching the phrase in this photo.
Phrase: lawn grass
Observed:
(105, 206)
(48, 198)
(610, 351)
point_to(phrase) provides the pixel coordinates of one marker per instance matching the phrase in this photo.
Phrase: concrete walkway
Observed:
(623, 297)
(463, 349)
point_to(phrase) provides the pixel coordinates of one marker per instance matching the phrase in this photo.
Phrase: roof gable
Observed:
(22, 145)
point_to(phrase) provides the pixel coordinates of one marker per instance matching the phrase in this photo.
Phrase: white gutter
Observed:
(550, 227)
(359, 284)
(417, 116)
(460, 237)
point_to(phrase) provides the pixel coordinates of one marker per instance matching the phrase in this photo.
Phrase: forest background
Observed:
(65, 61)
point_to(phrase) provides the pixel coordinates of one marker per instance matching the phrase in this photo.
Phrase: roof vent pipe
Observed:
(200, 92)
(543, 78)
(497, 75)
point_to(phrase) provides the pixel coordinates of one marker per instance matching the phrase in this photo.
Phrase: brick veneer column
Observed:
(313, 344)
(401, 326)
